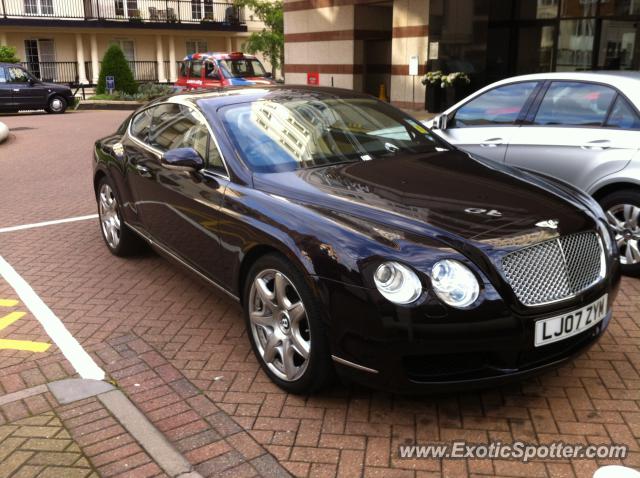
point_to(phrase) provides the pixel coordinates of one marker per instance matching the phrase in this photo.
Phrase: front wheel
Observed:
(284, 326)
(623, 213)
(56, 105)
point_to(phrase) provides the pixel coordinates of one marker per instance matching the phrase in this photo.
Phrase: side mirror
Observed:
(182, 159)
(268, 74)
(31, 81)
(440, 122)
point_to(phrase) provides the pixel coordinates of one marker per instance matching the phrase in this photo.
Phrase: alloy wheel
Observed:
(624, 219)
(109, 219)
(279, 325)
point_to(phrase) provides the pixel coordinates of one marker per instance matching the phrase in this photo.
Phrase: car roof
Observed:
(217, 55)
(628, 82)
(217, 97)
(10, 64)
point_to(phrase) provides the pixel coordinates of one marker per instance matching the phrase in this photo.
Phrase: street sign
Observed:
(313, 78)
(111, 83)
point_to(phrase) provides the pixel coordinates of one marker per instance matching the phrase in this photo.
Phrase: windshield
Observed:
(242, 68)
(290, 134)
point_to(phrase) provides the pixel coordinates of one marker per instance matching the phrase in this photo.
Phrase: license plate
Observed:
(570, 324)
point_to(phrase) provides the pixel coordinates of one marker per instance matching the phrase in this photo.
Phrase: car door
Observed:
(26, 94)
(6, 95)
(485, 124)
(576, 132)
(179, 209)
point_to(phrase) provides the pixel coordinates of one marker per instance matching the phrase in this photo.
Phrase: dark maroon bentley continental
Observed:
(357, 241)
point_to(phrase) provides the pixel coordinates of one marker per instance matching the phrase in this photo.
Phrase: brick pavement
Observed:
(346, 431)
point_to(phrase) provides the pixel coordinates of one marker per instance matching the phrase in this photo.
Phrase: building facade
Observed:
(64, 40)
(363, 44)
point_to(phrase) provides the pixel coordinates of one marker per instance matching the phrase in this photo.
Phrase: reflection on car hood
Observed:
(438, 193)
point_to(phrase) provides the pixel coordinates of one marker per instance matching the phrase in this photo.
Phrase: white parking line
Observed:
(53, 326)
(47, 223)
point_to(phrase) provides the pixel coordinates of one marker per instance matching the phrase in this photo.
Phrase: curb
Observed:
(108, 105)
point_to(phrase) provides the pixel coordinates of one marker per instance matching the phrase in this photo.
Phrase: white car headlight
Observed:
(454, 283)
(397, 283)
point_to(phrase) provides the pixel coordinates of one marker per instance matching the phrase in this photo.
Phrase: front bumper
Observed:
(427, 348)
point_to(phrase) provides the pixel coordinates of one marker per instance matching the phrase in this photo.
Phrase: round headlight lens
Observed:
(454, 283)
(397, 283)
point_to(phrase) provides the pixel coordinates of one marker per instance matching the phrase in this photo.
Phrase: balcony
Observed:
(198, 14)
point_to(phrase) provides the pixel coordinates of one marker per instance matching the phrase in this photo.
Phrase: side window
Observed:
(3, 77)
(499, 106)
(141, 124)
(575, 104)
(17, 75)
(196, 69)
(211, 71)
(622, 115)
(175, 126)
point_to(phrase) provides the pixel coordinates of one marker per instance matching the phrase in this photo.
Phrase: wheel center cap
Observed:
(627, 234)
(285, 322)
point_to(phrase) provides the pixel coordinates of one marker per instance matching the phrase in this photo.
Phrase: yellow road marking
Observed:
(7, 320)
(27, 345)
(8, 303)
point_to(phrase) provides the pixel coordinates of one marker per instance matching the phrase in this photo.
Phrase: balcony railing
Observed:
(205, 12)
(67, 71)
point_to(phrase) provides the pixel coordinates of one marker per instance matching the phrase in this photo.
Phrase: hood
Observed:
(54, 86)
(444, 193)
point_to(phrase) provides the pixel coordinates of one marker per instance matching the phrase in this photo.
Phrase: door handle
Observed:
(143, 171)
(492, 143)
(597, 145)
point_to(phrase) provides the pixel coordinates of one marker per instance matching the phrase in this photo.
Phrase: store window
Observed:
(537, 9)
(575, 45)
(575, 104)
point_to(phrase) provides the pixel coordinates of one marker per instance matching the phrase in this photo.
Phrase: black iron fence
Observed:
(205, 12)
(67, 71)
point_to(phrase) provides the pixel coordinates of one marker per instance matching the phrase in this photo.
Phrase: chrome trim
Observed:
(154, 243)
(353, 365)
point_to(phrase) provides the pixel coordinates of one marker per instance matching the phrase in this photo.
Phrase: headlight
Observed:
(454, 283)
(397, 283)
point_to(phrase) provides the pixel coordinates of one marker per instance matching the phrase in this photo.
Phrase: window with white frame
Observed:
(196, 46)
(128, 48)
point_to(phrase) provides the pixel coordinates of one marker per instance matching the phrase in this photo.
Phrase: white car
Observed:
(582, 128)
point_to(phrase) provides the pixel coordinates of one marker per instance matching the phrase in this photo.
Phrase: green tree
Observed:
(269, 41)
(115, 64)
(8, 54)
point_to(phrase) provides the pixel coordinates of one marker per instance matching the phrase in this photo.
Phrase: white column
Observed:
(3, 39)
(162, 77)
(82, 74)
(173, 73)
(229, 45)
(95, 64)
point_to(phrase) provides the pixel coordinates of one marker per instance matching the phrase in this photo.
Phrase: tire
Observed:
(623, 213)
(120, 240)
(277, 327)
(56, 105)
